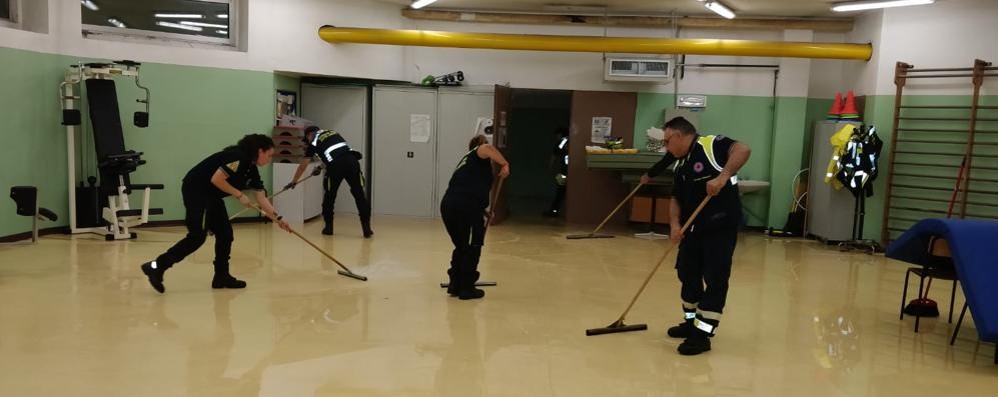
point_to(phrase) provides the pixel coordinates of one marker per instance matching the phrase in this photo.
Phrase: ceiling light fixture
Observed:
(185, 16)
(870, 5)
(116, 23)
(222, 16)
(720, 9)
(225, 32)
(89, 4)
(422, 3)
(179, 26)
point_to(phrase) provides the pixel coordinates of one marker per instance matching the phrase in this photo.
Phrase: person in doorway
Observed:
(559, 156)
(707, 166)
(341, 163)
(463, 209)
(222, 174)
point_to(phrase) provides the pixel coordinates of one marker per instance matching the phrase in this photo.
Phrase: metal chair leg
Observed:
(952, 297)
(921, 286)
(958, 324)
(904, 294)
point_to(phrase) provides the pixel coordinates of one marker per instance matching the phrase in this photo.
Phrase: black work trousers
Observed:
(704, 267)
(203, 213)
(465, 223)
(347, 167)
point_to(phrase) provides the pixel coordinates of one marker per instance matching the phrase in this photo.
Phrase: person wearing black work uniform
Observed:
(221, 174)
(341, 163)
(707, 165)
(560, 157)
(463, 209)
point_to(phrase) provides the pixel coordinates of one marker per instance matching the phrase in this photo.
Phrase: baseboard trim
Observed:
(65, 229)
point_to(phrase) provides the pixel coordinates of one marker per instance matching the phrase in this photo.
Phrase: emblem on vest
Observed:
(698, 167)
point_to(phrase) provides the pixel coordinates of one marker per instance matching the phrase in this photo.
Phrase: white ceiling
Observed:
(757, 8)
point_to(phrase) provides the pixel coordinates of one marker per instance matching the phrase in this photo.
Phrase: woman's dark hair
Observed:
(251, 144)
(477, 141)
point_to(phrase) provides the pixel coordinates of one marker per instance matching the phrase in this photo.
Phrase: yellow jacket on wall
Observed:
(839, 142)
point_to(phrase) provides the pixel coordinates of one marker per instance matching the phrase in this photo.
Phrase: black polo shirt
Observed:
(242, 171)
(705, 160)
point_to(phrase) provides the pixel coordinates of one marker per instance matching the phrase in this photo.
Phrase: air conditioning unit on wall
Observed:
(639, 70)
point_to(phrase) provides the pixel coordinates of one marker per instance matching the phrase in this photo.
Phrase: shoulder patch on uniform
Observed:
(233, 166)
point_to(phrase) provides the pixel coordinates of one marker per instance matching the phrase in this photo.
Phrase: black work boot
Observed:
(699, 342)
(683, 330)
(223, 279)
(366, 225)
(695, 344)
(155, 275)
(466, 289)
(328, 220)
(452, 284)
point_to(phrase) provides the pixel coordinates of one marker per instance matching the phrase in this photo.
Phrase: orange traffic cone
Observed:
(835, 112)
(849, 111)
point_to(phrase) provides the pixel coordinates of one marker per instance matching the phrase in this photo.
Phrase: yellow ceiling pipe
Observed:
(636, 45)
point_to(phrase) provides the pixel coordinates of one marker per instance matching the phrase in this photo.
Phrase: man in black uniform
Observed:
(707, 165)
(341, 163)
(221, 174)
(560, 157)
(463, 209)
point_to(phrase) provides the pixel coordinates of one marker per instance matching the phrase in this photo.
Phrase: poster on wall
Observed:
(602, 128)
(419, 128)
(484, 127)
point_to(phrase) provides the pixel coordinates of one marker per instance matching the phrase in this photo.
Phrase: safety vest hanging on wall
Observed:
(839, 142)
(858, 165)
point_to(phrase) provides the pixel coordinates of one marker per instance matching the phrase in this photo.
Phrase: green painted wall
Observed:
(194, 112)
(34, 141)
(785, 154)
(880, 112)
(748, 119)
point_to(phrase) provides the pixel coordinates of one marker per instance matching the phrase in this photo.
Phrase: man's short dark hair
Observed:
(311, 129)
(682, 125)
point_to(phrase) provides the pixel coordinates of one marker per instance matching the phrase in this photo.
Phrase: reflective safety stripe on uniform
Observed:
(707, 142)
(329, 152)
(689, 310)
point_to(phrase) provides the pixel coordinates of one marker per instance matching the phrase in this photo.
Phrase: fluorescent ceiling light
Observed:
(225, 32)
(222, 16)
(116, 23)
(720, 9)
(179, 26)
(89, 4)
(185, 16)
(422, 3)
(870, 5)
(207, 25)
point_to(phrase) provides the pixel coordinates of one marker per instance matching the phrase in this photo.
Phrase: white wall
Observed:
(826, 76)
(584, 71)
(282, 35)
(862, 77)
(948, 33)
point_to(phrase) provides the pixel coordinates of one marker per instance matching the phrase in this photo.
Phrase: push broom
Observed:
(345, 272)
(619, 326)
(593, 233)
(488, 222)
